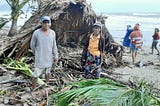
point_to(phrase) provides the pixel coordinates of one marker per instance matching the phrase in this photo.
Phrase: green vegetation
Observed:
(16, 7)
(20, 66)
(16, 10)
(3, 21)
(101, 92)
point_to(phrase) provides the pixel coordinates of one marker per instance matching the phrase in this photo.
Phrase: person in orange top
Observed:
(136, 41)
(156, 37)
(92, 52)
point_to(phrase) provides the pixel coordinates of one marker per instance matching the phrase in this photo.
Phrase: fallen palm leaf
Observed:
(3, 92)
(103, 92)
(21, 66)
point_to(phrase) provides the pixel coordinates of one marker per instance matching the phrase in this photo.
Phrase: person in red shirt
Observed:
(156, 37)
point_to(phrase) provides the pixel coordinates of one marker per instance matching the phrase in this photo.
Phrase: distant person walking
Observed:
(136, 41)
(126, 40)
(43, 45)
(156, 38)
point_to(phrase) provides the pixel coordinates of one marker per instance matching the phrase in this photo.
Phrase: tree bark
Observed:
(13, 29)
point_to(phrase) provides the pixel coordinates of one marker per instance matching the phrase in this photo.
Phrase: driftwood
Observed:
(9, 87)
(131, 84)
(2, 68)
(10, 80)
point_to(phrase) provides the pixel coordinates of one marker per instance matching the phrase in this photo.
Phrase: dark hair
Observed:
(156, 30)
(96, 26)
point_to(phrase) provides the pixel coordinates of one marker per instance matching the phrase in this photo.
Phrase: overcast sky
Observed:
(4, 6)
(125, 5)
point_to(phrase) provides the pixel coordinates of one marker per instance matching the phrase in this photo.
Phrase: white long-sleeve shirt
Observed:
(44, 48)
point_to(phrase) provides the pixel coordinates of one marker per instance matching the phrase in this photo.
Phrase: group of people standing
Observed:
(43, 45)
(133, 40)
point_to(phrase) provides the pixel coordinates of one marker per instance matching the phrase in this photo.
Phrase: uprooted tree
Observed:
(71, 20)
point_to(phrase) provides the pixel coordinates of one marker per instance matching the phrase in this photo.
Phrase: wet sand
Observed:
(148, 71)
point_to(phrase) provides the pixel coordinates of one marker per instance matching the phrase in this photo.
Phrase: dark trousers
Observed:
(93, 65)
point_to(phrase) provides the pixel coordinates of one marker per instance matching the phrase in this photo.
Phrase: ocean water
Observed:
(117, 22)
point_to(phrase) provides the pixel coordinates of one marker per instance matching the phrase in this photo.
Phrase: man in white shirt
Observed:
(43, 45)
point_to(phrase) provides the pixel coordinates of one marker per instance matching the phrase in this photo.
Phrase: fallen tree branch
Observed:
(3, 68)
(114, 79)
(10, 87)
(13, 50)
(10, 42)
(10, 80)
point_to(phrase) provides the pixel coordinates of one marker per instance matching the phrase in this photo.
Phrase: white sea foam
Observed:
(146, 14)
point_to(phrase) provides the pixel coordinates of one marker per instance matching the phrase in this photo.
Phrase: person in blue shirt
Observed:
(126, 40)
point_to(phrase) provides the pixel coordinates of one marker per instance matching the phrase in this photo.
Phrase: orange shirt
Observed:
(136, 34)
(136, 38)
(93, 45)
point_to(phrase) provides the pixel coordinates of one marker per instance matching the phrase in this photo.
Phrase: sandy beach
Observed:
(148, 70)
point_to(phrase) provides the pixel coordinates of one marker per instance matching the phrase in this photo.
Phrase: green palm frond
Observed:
(16, 7)
(3, 21)
(103, 92)
(20, 66)
(101, 81)
(93, 91)
(94, 94)
(2, 24)
(139, 96)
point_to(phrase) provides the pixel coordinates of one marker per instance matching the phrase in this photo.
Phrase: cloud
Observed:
(3, 2)
(125, 5)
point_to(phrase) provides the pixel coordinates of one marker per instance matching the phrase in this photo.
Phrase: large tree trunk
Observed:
(16, 7)
(13, 29)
